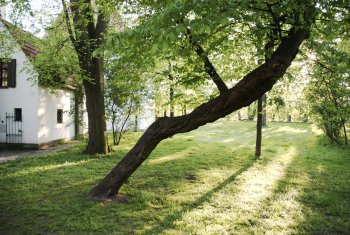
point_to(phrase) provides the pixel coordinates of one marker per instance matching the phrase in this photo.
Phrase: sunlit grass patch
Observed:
(203, 182)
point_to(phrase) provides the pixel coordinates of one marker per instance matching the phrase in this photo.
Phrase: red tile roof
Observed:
(24, 38)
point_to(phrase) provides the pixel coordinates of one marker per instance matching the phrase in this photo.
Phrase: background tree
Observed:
(329, 90)
(126, 90)
(87, 25)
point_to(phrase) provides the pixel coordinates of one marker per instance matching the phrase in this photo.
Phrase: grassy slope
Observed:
(203, 182)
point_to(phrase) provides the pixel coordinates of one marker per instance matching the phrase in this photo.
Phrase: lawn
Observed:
(203, 182)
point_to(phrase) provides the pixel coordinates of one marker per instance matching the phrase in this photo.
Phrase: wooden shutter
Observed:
(12, 73)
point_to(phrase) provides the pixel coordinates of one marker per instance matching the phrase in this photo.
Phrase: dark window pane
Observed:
(59, 115)
(18, 114)
(4, 74)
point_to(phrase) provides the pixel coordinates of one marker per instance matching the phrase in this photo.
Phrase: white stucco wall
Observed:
(24, 95)
(49, 129)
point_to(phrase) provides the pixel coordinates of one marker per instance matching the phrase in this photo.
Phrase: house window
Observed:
(7, 73)
(4, 77)
(59, 116)
(18, 115)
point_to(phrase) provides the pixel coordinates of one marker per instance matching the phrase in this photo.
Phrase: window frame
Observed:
(1, 74)
(17, 113)
(10, 72)
(59, 116)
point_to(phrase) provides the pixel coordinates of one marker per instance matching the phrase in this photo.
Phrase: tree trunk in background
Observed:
(78, 111)
(251, 113)
(264, 102)
(136, 123)
(345, 135)
(184, 111)
(289, 118)
(246, 91)
(95, 107)
(86, 29)
(171, 95)
(259, 127)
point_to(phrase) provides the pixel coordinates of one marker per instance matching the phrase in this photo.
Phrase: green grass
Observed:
(203, 182)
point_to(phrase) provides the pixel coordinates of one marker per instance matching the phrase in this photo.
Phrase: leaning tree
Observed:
(200, 27)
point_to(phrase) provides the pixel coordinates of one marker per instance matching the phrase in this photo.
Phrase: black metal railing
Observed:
(14, 129)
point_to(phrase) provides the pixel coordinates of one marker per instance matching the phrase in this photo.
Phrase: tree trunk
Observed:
(171, 91)
(114, 134)
(345, 135)
(171, 97)
(259, 128)
(124, 123)
(86, 29)
(78, 111)
(251, 113)
(136, 123)
(95, 106)
(264, 102)
(250, 88)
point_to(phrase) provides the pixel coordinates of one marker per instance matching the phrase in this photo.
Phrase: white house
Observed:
(30, 116)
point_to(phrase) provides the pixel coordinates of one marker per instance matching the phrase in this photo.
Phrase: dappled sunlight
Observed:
(229, 140)
(321, 169)
(173, 157)
(283, 212)
(287, 129)
(316, 130)
(244, 197)
(47, 167)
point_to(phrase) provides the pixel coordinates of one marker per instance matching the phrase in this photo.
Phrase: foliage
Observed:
(127, 90)
(329, 90)
(203, 182)
(57, 61)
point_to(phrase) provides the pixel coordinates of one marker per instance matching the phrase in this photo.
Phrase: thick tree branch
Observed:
(209, 67)
(100, 28)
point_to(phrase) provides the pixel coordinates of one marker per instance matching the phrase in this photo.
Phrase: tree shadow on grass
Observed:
(168, 221)
(311, 198)
(325, 199)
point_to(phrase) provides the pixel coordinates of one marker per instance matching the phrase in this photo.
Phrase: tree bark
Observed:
(78, 115)
(264, 102)
(171, 90)
(250, 88)
(259, 128)
(95, 107)
(209, 67)
(136, 123)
